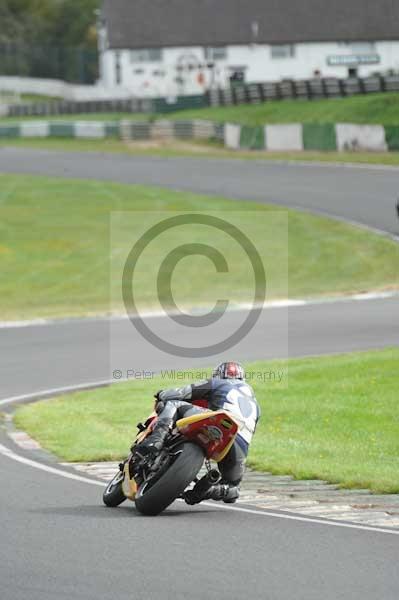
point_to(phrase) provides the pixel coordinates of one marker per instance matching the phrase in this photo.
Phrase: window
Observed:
(146, 55)
(283, 51)
(362, 47)
(217, 53)
(359, 47)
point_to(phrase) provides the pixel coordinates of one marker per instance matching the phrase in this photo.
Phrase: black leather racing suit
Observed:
(232, 395)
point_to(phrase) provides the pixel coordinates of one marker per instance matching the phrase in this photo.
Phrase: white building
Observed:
(177, 47)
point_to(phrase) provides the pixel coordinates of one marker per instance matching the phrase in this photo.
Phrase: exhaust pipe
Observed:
(204, 485)
(213, 476)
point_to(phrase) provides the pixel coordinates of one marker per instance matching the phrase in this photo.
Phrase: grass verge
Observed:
(198, 149)
(336, 420)
(55, 248)
(370, 108)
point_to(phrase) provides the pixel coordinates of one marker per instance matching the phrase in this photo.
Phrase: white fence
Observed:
(58, 89)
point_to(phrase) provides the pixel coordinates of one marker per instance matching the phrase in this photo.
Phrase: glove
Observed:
(159, 406)
(157, 402)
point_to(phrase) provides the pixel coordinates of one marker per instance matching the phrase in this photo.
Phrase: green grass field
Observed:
(55, 250)
(370, 108)
(34, 98)
(345, 431)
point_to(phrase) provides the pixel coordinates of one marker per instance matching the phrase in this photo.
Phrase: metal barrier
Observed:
(309, 89)
(253, 93)
(131, 105)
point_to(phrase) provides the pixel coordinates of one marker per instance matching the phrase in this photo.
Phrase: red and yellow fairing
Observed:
(214, 431)
(129, 486)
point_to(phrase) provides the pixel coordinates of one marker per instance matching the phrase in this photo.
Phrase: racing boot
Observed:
(227, 492)
(201, 489)
(155, 441)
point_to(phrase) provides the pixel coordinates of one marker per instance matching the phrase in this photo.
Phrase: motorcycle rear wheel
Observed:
(113, 494)
(153, 499)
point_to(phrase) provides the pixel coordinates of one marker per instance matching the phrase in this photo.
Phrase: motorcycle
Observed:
(154, 482)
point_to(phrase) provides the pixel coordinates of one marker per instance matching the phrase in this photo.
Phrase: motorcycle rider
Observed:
(227, 390)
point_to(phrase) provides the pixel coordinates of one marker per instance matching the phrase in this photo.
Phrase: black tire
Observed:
(153, 499)
(113, 494)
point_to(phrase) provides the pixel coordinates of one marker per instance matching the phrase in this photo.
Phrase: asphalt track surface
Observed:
(79, 352)
(365, 195)
(58, 541)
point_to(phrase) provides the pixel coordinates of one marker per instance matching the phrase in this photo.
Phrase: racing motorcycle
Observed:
(154, 482)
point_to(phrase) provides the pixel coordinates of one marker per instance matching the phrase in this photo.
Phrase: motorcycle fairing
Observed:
(149, 426)
(129, 486)
(214, 431)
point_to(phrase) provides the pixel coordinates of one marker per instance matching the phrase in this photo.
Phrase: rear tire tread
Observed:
(173, 482)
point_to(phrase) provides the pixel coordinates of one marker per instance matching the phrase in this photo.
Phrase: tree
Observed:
(49, 38)
(26, 21)
(76, 23)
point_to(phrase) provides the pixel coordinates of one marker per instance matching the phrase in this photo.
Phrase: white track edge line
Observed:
(324, 164)
(31, 463)
(293, 517)
(57, 391)
(294, 303)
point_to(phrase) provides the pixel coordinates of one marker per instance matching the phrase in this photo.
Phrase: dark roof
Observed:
(158, 23)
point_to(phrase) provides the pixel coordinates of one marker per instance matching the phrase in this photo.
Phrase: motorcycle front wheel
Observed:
(113, 494)
(152, 499)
